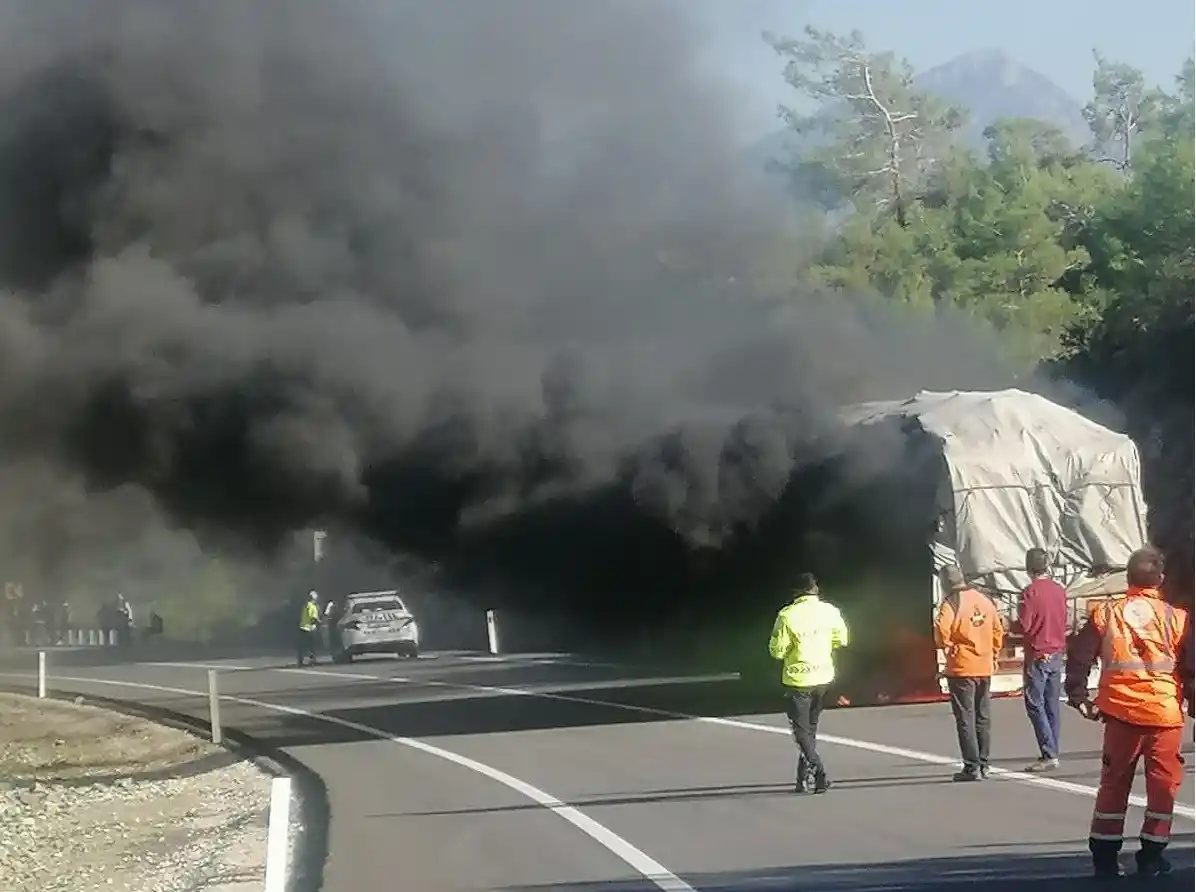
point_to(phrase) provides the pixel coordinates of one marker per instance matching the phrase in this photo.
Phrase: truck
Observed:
(1001, 472)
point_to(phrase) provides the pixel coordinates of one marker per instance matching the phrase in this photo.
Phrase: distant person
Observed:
(123, 615)
(66, 622)
(13, 596)
(309, 625)
(331, 615)
(1042, 618)
(1145, 648)
(804, 637)
(969, 630)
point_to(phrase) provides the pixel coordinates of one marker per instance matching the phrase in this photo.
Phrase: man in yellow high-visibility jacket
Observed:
(804, 637)
(309, 623)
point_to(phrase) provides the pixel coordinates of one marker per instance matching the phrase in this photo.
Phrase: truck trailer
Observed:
(1001, 472)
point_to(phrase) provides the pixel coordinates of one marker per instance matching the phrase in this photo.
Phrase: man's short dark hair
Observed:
(953, 578)
(1037, 561)
(1144, 569)
(805, 583)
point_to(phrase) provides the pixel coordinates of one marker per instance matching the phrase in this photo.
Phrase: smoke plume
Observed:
(474, 279)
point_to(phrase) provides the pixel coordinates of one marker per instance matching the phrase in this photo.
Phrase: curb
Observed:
(311, 844)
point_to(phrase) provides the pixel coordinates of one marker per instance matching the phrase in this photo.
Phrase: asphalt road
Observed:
(539, 773)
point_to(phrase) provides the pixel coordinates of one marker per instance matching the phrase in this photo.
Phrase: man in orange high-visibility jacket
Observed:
(1145, 648)
(969, 630)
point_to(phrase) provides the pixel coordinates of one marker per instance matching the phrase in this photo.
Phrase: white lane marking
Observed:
(548, 687)
(639, 861)
(224, 667)
(1047, 783)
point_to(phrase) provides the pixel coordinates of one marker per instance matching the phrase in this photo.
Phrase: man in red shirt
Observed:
(1042, 616)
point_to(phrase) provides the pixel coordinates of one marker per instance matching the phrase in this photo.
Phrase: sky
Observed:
(1053, 37)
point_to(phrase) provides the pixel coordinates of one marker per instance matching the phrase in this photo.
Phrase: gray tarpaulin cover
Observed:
(1021, 471)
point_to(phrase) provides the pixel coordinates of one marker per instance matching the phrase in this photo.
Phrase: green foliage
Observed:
(1037, 238)
(1123, 107)
(881, 137)
(999, 238)
(1081, 257)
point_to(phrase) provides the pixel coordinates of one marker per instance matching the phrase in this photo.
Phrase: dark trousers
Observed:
(971, 699)
(1042, 684)
(803, 706)
(307, 644)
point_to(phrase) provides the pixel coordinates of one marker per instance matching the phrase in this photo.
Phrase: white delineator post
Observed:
(277, 835)
(492, 631)
(214, 707)
(41, 675)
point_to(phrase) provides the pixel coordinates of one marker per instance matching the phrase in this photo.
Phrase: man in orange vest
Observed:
(1145, 648)
(968, 628)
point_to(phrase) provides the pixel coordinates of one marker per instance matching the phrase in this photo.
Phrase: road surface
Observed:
(541, 773)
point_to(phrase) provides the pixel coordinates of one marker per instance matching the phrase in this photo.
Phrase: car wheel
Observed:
(342, 656)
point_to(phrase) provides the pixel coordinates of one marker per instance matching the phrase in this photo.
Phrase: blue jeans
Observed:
(1042, 685)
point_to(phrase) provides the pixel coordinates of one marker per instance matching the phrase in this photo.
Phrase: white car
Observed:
(372, 623)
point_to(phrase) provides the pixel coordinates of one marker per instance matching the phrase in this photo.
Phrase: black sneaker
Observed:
(985, 771)
(967, 775)
(821, 784)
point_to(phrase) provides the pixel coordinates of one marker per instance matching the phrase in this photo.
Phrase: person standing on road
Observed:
(1145, 648)
(1042, 617)
(309, 624)
(804, 637)
(968, 628)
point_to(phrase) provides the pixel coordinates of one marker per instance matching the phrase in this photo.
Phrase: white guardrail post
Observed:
(278, 836)
(492, 631)
(214, 707)
(41, 675)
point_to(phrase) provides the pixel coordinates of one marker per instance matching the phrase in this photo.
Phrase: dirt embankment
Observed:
(95, 800)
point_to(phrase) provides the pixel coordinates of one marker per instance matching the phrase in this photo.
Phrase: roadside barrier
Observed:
(73, 638)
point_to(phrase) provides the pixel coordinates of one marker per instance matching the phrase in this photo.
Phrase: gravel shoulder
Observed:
(96, 800)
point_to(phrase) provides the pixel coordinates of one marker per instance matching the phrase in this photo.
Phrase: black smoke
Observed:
(474, 279)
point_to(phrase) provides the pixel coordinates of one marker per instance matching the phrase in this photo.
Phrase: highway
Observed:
(460, 773)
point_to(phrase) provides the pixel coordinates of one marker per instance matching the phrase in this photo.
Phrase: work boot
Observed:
(1104, 859)
(821, 782)
(1151, 862)
(1106, 870)
(968, 774)
(1040, 765)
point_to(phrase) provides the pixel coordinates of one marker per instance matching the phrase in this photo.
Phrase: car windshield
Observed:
(375, 604)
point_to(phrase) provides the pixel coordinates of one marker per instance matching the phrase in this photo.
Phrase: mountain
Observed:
(990, 84)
